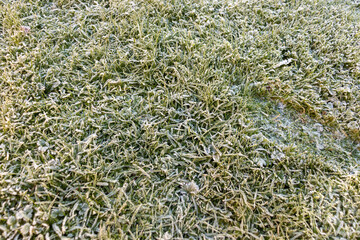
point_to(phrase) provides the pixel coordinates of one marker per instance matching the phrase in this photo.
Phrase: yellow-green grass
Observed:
(179, 119)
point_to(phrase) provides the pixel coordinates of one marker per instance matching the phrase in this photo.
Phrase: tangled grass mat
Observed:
(179, 119)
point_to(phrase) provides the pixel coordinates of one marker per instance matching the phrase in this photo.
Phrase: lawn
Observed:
(179, 119)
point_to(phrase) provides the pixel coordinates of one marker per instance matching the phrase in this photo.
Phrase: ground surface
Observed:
(179, 119)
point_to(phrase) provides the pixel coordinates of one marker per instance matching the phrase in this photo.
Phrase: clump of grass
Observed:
(318, 61)
(143, 120)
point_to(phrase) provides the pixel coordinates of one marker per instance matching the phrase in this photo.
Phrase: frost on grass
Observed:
(191, 187)
(105, 106)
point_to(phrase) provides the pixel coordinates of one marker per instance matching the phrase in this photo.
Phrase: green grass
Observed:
(179, 119)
